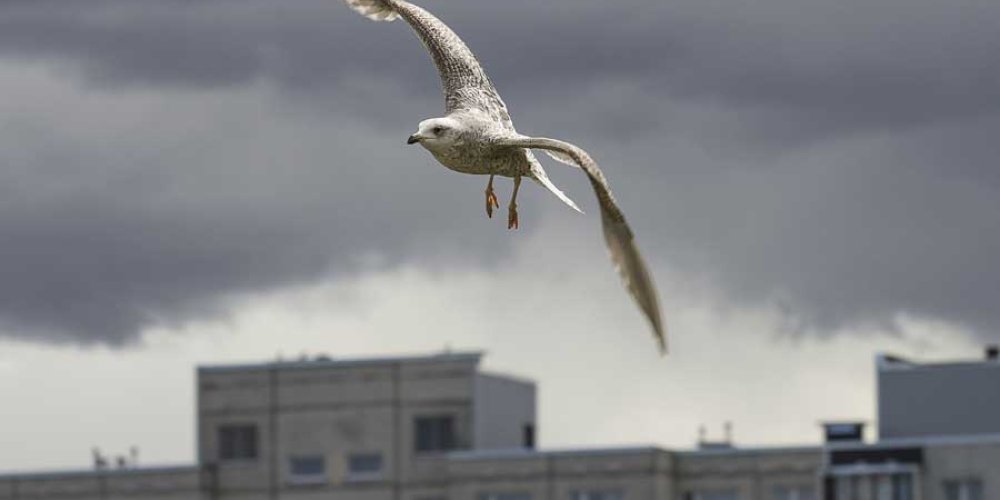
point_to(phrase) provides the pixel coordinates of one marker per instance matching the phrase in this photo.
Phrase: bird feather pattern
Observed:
(477, 136)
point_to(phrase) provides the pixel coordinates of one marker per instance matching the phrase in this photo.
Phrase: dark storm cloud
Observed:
(833, 159)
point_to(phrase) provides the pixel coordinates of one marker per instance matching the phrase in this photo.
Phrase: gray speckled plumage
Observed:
(477, 136)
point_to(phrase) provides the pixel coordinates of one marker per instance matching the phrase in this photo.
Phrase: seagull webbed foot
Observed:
(512, 211)
(512, 216)
(491, 199)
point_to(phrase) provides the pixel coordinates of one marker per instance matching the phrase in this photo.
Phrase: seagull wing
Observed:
(617, 234)
(466, 85)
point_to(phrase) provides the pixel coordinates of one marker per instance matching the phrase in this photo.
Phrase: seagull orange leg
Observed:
(491, 199)
(512, 211)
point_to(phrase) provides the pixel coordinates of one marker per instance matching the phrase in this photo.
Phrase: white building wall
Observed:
(503, 407)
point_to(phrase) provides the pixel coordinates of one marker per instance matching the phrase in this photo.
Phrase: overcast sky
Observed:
(188, 182)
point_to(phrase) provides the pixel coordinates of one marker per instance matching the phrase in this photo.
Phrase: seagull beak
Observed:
(413, 139)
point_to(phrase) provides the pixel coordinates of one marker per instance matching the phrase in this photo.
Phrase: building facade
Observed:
(439, 428)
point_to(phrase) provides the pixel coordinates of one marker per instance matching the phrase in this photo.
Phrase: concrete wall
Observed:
(752, 474)
(938, 400)
(332, 409)
(503, 406)
(961, 461)
(182, 483)
(641, 473)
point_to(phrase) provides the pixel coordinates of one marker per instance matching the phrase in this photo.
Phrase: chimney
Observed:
(992, 352)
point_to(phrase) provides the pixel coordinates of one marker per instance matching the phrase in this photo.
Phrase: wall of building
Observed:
(965, 460)
(753, 474)
(332, 409)
(938, 400)
(182, 483)
(503, 406)
(639, 473)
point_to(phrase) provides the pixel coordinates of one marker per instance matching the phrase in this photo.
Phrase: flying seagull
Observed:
(477, 136)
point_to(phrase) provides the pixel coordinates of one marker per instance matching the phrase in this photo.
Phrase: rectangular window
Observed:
(963, 489)
(364, 466)
(504, 495)
(895, 486)
(434, 433)
(529, 436)
(798, 492)
(307, 469)
(597, 494)
(712, 495)
(238, 442)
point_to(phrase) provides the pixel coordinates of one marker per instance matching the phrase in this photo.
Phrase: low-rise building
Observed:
(439, 428)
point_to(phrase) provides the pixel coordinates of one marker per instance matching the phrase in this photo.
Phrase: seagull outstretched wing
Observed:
(466, 85)
(617, 234)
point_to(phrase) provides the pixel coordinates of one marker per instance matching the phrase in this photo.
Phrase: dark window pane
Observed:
(597, 495)
(964, 489)
(434, 433)
(238, 442)
(902, 487)
(307, 465)
(505, 495)
(529, 435)
(365, 463)
(713, 495)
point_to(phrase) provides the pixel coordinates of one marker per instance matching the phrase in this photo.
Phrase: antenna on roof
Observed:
(100, 463)
(725, 444)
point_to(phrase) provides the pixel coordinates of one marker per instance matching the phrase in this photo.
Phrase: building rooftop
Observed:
(526, 453)
(991, 359)
(324, 361)
(109, 471)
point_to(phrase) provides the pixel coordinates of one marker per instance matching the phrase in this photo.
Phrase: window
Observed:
(596, 494)
(505, 495)
(784, 492)
(307, 469)
(886, 486)
(434, 433)
(364, 466)
(238, 442)
(528, 436)
(712, 495)
(963, 489)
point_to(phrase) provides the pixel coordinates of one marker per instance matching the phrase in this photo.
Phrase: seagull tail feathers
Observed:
(376, 10)
(539, 175)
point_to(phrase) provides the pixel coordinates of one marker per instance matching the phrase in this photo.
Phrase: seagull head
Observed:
(436, 133)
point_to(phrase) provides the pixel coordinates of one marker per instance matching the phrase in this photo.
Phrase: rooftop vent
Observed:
(992, 352)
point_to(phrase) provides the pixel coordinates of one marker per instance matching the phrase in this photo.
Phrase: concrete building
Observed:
(939, 435)
(938, 399)
(439, 428)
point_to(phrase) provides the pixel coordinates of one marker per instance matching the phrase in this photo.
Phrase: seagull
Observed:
(477, 136)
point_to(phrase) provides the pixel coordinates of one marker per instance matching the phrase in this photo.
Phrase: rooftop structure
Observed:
(938, 399)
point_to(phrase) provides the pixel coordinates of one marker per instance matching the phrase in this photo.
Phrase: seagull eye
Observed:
(437, 130)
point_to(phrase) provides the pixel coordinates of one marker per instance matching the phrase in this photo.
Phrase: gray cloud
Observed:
(835, 160)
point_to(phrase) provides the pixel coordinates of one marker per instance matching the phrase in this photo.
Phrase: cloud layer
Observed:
(835, 161)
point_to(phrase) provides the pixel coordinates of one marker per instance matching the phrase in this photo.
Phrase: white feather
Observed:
(538, 173)
(376, 10)
(562, 158)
